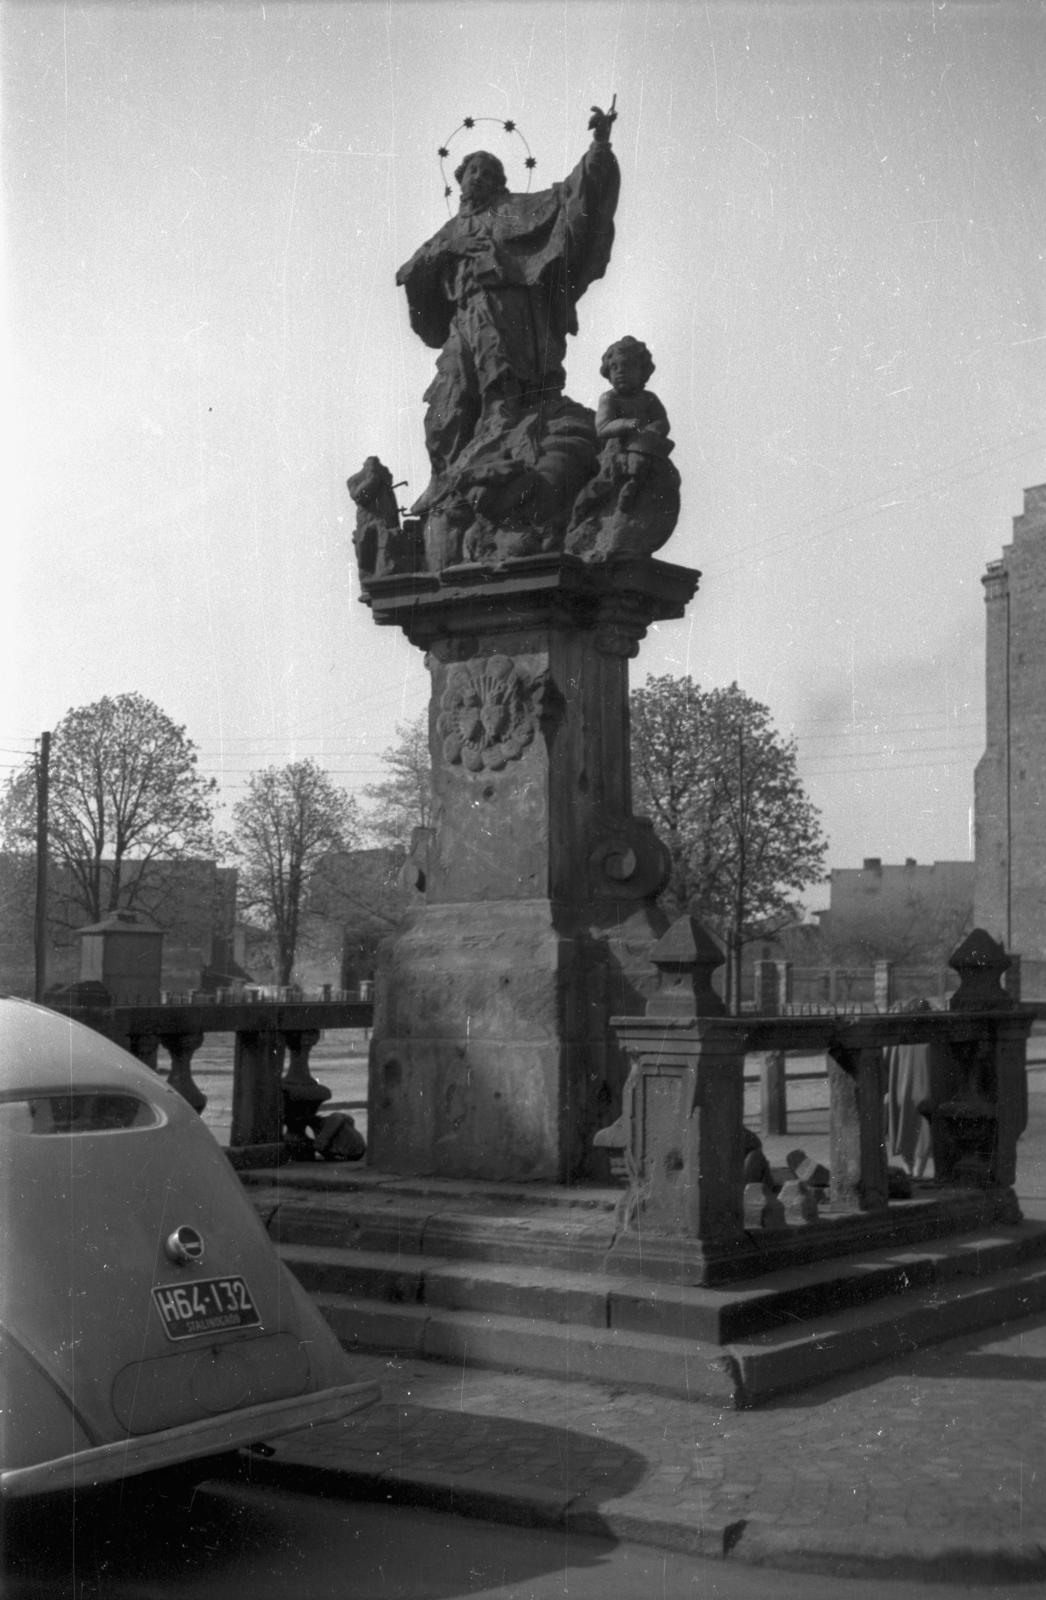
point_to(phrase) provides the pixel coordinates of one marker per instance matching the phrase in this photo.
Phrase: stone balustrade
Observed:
(270, 1109)
(680, 1137)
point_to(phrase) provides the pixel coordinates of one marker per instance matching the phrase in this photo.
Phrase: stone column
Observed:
(784, 984)
(883, 985)
(492, 1055)
(773, 1098)
(766, 996)
(856, 1152)
(257, 1111)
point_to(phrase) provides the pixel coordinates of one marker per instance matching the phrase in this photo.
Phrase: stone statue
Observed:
(496, 291)
(517, 467)
(632, 505)
(382, 547)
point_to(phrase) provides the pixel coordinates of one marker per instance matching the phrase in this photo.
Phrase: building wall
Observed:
(193, 901)
(910, 913)
(1010, 781)
(355, 901)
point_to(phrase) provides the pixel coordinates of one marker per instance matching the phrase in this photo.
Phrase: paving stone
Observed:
(935, 1462)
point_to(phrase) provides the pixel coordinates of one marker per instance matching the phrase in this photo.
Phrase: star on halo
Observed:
(507, 125)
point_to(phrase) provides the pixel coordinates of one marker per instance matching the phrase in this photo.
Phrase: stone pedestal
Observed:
(492, 1055)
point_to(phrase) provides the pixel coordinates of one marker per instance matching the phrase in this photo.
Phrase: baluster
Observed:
(182, 1047)
(144, 1046)
(302, 1095)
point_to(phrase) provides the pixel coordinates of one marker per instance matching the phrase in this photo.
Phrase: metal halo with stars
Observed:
(468, 123)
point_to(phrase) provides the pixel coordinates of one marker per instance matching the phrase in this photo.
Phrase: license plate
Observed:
(209, 1305)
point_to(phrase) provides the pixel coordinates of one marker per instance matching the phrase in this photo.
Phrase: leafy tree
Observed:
(403, 801)
(291, 818)
(125, 799)
(722, 788)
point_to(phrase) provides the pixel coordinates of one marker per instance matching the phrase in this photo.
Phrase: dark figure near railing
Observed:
(274, 1115)
(909, 1095)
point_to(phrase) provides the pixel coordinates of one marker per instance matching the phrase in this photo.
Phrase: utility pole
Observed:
(43, 766)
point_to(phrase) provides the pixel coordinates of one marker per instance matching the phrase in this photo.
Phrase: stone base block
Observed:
(933, 1214)
(492, 1055)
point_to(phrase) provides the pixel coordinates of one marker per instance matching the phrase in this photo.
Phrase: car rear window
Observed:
(91, 1111)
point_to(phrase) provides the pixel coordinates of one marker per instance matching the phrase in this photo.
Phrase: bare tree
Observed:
(291, 818)
(126, 800)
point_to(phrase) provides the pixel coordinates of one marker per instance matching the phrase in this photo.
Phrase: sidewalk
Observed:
(935, 1465)
(932, 1465)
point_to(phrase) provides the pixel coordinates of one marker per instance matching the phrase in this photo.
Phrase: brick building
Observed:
(193, 901)
(1010, 781)
(908, 914)
(356, 899)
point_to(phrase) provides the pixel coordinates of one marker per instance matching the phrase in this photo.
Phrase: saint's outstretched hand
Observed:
(601, 122)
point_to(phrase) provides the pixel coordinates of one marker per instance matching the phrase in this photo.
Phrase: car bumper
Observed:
(109, 1462)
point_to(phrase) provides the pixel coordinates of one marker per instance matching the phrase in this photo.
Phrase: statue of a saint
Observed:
(495, 290)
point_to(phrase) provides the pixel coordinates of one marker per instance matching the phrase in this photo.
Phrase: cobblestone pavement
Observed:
(935, 1464)
(932, 1465)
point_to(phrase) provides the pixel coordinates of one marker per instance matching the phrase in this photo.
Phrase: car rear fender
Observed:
(38, 1421)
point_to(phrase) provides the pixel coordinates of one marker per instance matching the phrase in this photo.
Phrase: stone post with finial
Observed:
(976, 1128)
(680, 1135)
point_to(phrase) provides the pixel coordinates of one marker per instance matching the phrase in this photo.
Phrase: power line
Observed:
(874, 502)
(883, 771)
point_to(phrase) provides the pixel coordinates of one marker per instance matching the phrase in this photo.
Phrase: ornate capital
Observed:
(617, 642)
(489, 713)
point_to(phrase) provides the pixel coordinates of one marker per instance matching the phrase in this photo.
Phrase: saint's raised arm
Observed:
(496, 291)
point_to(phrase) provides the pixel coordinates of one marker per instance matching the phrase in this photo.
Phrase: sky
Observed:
(830, 235)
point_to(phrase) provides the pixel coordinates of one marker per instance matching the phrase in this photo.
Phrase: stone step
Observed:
(516, 1278)
(679, 1367)
(787, 1359)
(572, 1229)
(466, 1227)
(740, 1374)
(351, 1178)
(597, 1300)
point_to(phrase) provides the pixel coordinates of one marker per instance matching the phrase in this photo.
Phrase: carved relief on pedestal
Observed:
(489, 713)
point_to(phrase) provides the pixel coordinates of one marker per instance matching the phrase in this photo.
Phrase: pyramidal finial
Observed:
(686, 956)
(686, 943)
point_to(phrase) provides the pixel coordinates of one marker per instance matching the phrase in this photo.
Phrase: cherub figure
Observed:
(631, 505)
(631, 415)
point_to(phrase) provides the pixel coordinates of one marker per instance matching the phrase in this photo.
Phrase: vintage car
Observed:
(145, 1318)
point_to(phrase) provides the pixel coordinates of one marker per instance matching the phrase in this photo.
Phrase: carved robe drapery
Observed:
(496, 290)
